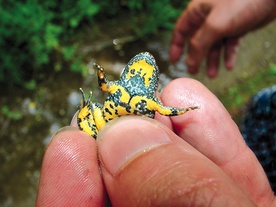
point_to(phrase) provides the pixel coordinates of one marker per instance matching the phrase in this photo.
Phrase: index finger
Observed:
(211, 130)
(70, 173)
(187, 24)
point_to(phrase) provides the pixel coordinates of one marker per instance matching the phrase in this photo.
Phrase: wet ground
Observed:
(30, 119)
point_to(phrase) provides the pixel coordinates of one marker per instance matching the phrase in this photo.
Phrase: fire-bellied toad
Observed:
(133, 94)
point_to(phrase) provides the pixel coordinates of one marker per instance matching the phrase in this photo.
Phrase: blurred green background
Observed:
(47, 52)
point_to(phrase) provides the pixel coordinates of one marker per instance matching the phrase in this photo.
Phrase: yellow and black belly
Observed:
(133, 94)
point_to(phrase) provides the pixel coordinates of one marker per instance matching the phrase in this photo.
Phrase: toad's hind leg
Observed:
(90, 118)
(145, 105)
(171, 111)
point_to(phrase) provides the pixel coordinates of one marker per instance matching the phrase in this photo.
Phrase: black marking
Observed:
(141, 108)
(79, 120)
(128, 108)
(174, 112)
(107, 110)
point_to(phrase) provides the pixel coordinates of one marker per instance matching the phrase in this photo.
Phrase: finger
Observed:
(70, 174)
(212, 131)
(199, 46)
(186, 25)
(230, 52)
(213, 61)
(146, 164)
(179, 37)
(177, 45)
(209, 34)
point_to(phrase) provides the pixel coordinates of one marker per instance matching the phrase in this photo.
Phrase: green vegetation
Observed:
(236, 97)
(15, 115)
(35, 35)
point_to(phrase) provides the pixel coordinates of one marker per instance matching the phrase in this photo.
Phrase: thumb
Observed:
(145, 164)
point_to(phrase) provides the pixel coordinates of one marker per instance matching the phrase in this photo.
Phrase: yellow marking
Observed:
(84, 125)
(98, 118)
(87, 120)
(83, 112)
(147, 70)
(120, 111)
(151, 105)
(125, 95)
(157, 106)
(164, 110)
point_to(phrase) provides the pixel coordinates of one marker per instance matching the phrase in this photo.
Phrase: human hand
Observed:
(213, 27)
(143, 163)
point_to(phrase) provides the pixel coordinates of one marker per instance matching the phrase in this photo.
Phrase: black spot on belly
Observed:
(132, 71)
(107, 110)
(128, 108)
(141, 108)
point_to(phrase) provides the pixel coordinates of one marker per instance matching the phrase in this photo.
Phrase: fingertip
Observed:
(70, 174)
(72, 136)
(179, 37)
(176, 46)
(207, 126)
(230, 62)
(212, 72)
(193, 70)
(175, 53)
(230, 52)
(213, 60)
(229, 66)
